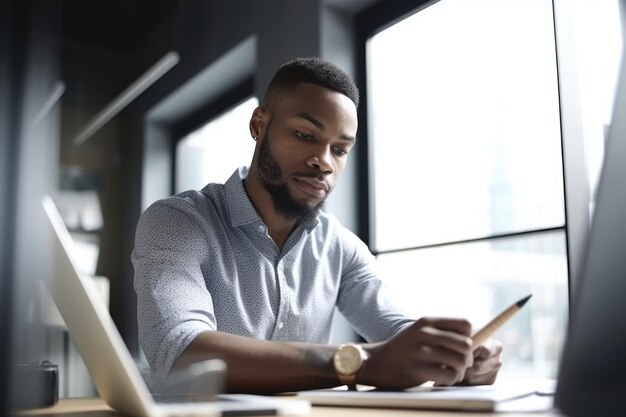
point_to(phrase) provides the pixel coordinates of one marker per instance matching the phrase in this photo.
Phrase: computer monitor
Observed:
(592, 374)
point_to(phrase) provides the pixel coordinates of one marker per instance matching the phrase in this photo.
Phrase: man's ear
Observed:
(259, 122)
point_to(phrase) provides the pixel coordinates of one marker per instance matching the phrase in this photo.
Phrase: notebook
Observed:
(110, 364)
(476, 398)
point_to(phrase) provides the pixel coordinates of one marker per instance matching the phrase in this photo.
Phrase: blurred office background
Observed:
(480, 142)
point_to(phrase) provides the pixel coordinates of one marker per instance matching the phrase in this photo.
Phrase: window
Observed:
(212, 152)
(598, 54)
(466, 178)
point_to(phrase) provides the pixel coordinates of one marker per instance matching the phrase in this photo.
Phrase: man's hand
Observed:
(431, 349)
(487, 363)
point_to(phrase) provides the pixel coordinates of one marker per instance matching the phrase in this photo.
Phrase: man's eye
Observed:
(303, 136)
(341, 152)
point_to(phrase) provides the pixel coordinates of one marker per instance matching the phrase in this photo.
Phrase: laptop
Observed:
(592, 372)
(110, 364)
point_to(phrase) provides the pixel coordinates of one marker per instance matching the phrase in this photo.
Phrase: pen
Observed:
(490, 328)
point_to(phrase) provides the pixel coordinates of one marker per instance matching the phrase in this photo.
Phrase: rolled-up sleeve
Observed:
(173, 303)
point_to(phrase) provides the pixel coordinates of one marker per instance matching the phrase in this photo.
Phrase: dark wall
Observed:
(8, 151)
(201, 32)
(93, 78)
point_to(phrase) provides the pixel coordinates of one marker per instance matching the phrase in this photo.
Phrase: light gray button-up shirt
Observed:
(205, 261)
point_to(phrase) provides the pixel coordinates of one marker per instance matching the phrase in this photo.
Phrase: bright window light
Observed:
(464, 123)
(598, 51)
(214, 151)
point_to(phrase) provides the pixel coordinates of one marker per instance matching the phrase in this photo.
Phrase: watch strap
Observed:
(348, 380)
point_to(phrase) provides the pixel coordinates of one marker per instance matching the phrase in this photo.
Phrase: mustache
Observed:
(314, 180)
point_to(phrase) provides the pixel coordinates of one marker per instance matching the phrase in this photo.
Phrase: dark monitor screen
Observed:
(8, 153)
(592, 375)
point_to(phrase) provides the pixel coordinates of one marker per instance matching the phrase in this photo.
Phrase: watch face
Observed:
(348, 360)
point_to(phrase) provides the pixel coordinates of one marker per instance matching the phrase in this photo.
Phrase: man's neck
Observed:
(279, 228)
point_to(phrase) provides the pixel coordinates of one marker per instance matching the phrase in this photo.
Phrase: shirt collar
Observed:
(240, 207)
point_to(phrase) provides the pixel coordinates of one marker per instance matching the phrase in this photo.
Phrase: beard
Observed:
(271, 176)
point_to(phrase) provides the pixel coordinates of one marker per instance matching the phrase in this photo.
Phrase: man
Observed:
(252, 269)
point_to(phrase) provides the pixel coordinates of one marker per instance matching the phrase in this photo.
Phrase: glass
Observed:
(214, 151)
(464, 124)
(478, 280)
(598, 45)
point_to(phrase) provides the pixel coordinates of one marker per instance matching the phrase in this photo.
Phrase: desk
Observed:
(95, 407)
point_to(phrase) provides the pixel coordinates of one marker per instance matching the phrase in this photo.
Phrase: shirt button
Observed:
(261, 228)
(280, 325)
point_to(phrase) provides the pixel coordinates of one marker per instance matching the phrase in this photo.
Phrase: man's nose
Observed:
(322, 160)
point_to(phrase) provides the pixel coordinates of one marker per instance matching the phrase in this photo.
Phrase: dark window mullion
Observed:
(474, 240)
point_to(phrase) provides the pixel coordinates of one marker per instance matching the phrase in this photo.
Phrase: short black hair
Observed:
(311, 70)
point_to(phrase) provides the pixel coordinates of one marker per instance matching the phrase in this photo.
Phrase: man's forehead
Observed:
(346, 134)
(318, 102)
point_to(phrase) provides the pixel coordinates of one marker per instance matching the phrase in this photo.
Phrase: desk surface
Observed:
(95, 407)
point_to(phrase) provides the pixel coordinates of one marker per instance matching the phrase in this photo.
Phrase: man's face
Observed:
(305, 148)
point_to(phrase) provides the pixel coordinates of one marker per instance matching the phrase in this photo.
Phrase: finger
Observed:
(482, 352)
(441, 375)
(479, 365)
(482, 378)
(483, 371)
(488, 349)
(445, 357)
(445, 339)
(484, 367)
(479, 380)
(455, 325)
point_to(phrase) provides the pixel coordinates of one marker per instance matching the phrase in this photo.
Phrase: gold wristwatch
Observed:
(348, 360)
